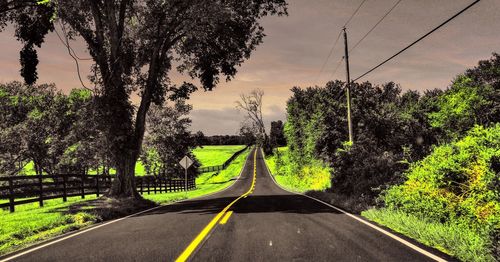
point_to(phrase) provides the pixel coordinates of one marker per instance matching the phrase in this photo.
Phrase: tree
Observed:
(251, 104)
(134, 43)
(13, 112)
(200, 139)
(473, 98)
(277, 135)
(32, 22)
(168, 139)
(247, 133)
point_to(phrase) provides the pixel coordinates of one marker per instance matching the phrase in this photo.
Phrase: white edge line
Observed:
(76, 233)
(402, 241)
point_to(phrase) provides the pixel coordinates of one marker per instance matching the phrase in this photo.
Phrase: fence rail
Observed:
(223, 166)
(29, 189)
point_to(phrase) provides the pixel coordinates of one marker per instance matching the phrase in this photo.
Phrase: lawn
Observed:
(31, 224)
(215, 155)
(207, 155)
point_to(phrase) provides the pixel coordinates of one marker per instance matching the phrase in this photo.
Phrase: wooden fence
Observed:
(29, 189)
(223, 166)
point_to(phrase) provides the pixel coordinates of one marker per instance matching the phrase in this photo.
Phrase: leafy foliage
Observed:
(168, 139)
(394, 134)
(58, 133)
(459, 182)
(32, 23)
(313, 176)
(277, 134)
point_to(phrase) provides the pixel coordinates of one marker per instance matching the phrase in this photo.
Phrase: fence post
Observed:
(97, 184)
(11, 195)
(149, 188)
(154, 184)
(65, 191)
(40, 190)
(82, 185)
(142, 180)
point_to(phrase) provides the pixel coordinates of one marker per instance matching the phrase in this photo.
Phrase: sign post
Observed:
(186, 162)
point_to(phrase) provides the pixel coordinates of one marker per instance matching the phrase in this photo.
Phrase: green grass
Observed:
(215, 155)
(458, 240)
(206, 183)
(207, 155)
(314, 177)
(31, 224)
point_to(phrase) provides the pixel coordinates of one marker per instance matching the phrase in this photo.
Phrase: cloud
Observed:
(297, 45)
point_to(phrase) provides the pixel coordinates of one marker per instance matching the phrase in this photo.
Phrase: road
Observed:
(253, 220)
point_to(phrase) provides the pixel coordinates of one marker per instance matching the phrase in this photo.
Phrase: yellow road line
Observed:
(226, 217)
(199, 238)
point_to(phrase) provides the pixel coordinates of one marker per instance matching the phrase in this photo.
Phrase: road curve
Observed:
(264, 223)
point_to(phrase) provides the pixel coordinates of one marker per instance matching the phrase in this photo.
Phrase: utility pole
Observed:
(348, 87)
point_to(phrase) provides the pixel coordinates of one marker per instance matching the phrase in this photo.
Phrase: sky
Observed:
(296, 46)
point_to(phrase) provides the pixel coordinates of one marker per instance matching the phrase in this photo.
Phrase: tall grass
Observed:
(458, 240)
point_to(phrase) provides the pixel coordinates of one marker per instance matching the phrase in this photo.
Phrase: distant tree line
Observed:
(224, 139)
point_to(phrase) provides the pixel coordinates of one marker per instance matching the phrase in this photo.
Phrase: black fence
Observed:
(29, 189)
(223, 166)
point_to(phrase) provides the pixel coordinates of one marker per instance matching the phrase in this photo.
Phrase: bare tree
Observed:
(251, 104)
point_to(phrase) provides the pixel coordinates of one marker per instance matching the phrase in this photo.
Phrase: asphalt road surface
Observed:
(253, 220)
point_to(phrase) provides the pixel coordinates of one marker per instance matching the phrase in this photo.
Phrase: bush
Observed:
(314, 175)
(458, 182)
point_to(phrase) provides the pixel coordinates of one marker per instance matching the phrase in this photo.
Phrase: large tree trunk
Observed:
(127, 152)
(124, 184)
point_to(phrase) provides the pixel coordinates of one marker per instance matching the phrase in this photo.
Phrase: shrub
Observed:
(457, 182)
(314, 175)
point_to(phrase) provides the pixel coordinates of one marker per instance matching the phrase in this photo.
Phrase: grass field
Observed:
(215, 155)
(207, 155)
(31, 224)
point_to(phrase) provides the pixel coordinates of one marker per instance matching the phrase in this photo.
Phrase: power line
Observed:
(328, 57)
(337, 67)
(353, 14)
(418, 40)
(379, 21)
(336, 42)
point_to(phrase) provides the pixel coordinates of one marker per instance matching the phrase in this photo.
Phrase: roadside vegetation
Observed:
(292, 176)
(31, 224)
(426, 165)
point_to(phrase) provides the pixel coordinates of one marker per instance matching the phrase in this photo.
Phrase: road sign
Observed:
(186, 162)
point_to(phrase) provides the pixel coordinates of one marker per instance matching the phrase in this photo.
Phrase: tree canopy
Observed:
(135, 44)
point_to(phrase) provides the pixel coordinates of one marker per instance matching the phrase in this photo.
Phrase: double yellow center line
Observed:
(199, 238)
